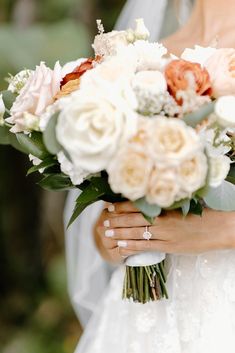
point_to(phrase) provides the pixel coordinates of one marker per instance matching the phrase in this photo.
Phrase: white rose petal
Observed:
(198, 55)
(37, 94)
(150, 81)
(219, 169)
(76, 174)
(2, 110)
(225, 111)
(92, 125)
(129, 173)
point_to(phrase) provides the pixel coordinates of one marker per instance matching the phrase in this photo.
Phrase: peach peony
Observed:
(221, 67)
(178, 76)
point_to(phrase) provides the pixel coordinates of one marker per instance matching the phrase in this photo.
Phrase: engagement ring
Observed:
(147, 235)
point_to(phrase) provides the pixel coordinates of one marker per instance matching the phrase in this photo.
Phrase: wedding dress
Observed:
(199, 317)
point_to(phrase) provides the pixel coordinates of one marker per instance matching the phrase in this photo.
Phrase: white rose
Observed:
(107, 44)
(129, 172)
(2, 110)
(92, 125)
(193, 173)
(198, 55)
(152, 82)
(37, 94)
(162, 187)
(219, 169)
(17, 82)
(76, 174)
(173, 140)
(225, 111)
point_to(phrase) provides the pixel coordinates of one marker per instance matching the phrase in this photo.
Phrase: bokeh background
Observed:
(35, 312)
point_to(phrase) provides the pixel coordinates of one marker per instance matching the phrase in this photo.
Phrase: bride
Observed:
(199, 317)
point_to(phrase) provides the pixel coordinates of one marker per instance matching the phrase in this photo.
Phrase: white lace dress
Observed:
(199, 317)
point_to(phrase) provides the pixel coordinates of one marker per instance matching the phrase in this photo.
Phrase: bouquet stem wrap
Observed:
(145, 278)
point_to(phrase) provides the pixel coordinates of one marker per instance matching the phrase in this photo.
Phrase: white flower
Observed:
(162, 187)
(92, 125)
(17, 82)
(129, 172)
(141, 32)
(198, 55)
(193, 173)
(153, 82)
(148, 56)
(219, 169)
(173, 140)
(107, 44)
(2, 110)
(37, 94)
(225, 111)
(76, 174)
(36, 161)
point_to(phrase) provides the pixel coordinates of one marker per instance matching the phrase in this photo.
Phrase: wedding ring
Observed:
(147, 235)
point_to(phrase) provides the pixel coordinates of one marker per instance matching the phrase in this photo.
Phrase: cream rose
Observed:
(225, 111)
(37, 94)
(2, 110)
(173, 140)
(221, 67)
(192, 173)
(152, 82)
(129, 172)
(219, 169)
(92, 125)
(162, 187)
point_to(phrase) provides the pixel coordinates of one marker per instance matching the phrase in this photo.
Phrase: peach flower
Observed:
(178, 76)
(221, 67)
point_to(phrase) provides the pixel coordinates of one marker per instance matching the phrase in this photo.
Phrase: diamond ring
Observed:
(147, 235)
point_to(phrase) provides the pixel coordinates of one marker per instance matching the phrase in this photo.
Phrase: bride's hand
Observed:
(119, 232)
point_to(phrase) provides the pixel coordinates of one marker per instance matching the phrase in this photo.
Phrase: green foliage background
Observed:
(35, 312)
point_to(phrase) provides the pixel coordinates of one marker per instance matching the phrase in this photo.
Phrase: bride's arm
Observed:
(120, 233)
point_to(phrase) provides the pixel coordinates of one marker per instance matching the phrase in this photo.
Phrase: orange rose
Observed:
(78, 71)
(178, 78)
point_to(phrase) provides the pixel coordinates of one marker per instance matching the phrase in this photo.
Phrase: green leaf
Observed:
(8, 99)
(49, 136)
(231, 175)
(47, 163)
(221, 198)
(79, 208)
(90, 194)
(196, 207)
(32, 144)
(148, 210)
(4, 135)
(193, 119)
(185, 207)
(56, 182)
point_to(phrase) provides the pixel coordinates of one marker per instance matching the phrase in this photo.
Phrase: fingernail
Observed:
(106, 223)
(111, 208)
(109, 233)
(122, 244)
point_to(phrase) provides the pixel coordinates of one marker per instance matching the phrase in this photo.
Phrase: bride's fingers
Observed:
(136, 233)
(145, 245)
(125, 220)
(122, 207)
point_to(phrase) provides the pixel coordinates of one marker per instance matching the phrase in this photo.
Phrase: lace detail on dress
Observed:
(199, 317)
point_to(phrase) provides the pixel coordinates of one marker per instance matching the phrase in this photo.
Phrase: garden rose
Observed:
(221, 67)
(129, 172)
(152, 82)
(225, 111)
(182, 75)
(37, 94)
(91, 126)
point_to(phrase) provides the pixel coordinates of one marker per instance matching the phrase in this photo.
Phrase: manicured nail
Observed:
(111, 208)
(122, 244)
(109, 233)
(107, 223)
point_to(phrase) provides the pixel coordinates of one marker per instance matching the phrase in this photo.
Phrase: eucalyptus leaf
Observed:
(193, 119)
(221, 198)
(49, 136)
(32, 144)
(8, 99)
(147, 209)
(56, 182)
(185, 207)
(4, 135)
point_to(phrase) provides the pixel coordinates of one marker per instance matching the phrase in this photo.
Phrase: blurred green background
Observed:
(35, 312)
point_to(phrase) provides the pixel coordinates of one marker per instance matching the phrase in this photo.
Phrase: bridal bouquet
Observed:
(132, 123)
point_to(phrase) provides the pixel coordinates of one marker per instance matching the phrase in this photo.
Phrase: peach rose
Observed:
(221, 67)
(178, 78)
